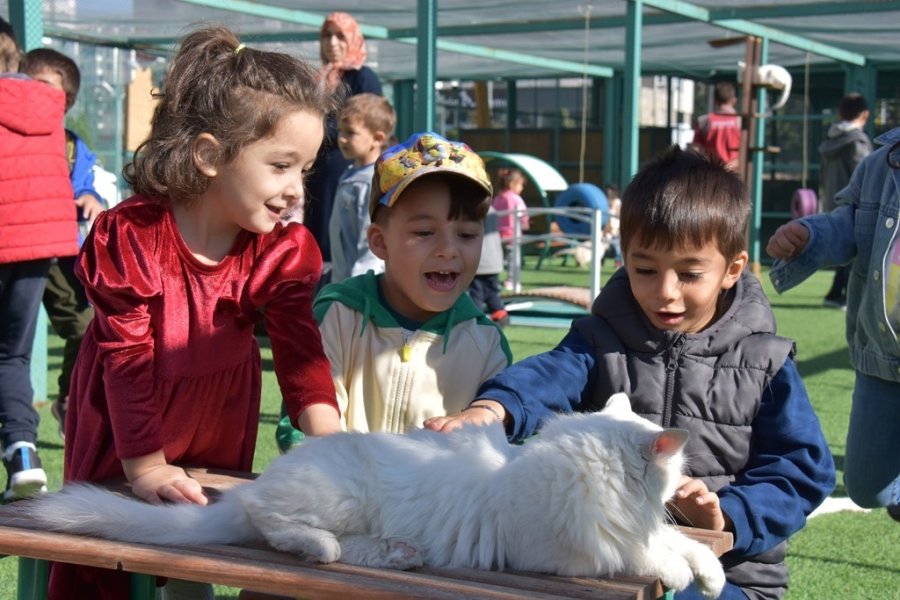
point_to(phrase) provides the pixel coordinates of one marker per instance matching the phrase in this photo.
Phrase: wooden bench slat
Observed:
(276, 572)
(572, 587)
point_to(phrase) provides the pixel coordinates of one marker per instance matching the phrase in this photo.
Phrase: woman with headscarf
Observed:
(343, 51)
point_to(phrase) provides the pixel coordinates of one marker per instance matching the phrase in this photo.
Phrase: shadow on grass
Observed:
(269, 418)
(844, 562)
(539, 283)
(836, 359)
(265, 344)
(839, 489)
(799, 306)
(43, 444)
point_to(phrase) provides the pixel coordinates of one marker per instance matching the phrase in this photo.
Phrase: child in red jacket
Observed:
(37, 224)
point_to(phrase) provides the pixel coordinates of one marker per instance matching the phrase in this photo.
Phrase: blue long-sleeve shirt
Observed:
(81, 168)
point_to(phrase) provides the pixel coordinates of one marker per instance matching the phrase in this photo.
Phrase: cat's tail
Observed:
(90, 510)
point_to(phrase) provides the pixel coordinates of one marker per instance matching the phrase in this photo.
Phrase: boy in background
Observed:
(485, 288)
(409, 344)
(845, 146)
(64, 297)
(365, 124)
(687, 332)
(718, 133)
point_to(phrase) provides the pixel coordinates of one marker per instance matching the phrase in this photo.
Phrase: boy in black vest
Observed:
(690, 337)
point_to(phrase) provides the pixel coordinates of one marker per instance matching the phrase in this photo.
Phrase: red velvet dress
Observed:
(170, 360)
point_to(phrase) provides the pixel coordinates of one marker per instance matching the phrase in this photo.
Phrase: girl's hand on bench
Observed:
(155, 481)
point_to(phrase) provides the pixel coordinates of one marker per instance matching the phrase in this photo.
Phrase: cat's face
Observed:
(655, 450)
(625, 453)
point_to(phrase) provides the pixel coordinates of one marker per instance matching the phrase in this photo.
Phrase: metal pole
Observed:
(755, 168)
(515, 255)
(596, 254)
(632, 91)
(27, 19)
(426, 60)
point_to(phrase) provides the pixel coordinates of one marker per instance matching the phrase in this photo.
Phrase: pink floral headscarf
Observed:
(356, 48)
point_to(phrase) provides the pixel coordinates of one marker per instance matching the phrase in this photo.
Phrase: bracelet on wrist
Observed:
(485, 407)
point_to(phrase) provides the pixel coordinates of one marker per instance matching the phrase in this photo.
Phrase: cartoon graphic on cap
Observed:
(423, 154)
(433, 151)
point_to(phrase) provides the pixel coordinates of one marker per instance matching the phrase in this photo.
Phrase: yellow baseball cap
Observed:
(423, 154)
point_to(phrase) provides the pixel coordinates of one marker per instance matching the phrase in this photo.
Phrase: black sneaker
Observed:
(894, 512)
(58, 410)
(835, 303)
(25, 476)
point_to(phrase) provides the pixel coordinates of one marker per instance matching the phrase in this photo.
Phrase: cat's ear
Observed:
(618, 403)
(667, 442)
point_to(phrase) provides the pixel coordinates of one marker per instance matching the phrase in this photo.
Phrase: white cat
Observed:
(585, 497)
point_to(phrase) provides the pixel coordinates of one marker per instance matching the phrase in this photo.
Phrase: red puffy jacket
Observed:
(37, 216)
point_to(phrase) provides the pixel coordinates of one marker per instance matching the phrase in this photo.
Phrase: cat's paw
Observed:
(401, 555)
(676, 574)
(708, 572)
(328, 550)
(312, 544)
(710, 578)
(371, 551)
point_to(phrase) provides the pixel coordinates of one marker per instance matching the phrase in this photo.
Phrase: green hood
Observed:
(361, 294)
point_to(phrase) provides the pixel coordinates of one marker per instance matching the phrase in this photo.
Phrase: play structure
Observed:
(575, 215)
(544, 179)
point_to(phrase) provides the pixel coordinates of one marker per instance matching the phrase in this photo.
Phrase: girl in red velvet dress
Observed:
(169, 373)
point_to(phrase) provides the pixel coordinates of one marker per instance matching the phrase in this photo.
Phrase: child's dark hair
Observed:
(39, 59)
(374, 111)
(468, 202)
(10, 54)
(686, 199)
(724, 92)
(506, 176)
(852, 106)
(215, 85)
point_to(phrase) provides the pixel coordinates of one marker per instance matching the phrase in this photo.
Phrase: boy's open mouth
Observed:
(669, 317)
(442, 280)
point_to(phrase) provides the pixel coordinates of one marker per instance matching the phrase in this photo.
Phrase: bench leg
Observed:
(544, 253)
(33, 576)
(143, 587)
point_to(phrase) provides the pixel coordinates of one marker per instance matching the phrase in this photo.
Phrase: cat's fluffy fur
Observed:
(585, 497)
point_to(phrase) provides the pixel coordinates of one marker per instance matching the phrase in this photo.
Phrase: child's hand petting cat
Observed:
(696, 506)
(156, 482)
(480, 412)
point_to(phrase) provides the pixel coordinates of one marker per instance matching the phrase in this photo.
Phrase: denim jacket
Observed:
(862, 229)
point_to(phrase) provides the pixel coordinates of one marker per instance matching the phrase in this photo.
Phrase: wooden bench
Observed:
(551, 244)
(268, 571)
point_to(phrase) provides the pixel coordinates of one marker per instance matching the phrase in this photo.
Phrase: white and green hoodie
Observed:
(389, 378)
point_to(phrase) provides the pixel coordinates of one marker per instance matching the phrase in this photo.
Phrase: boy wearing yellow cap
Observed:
(410, 344)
